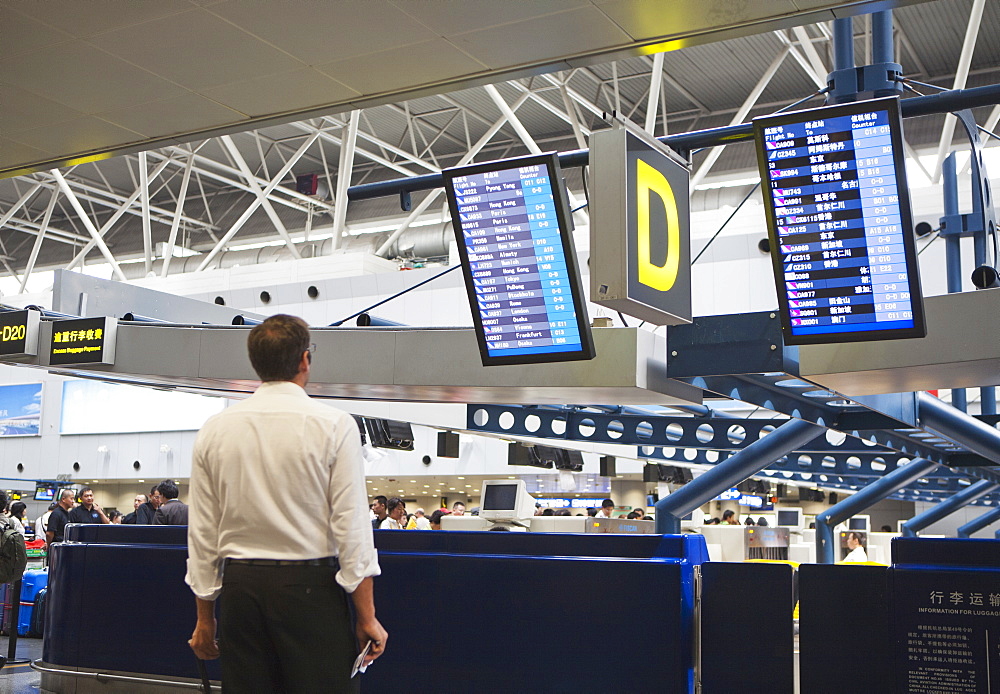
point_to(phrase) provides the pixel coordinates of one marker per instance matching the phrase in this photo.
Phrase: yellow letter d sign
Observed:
(659, 277)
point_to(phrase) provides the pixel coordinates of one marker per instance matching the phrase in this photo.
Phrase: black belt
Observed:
(325, 561)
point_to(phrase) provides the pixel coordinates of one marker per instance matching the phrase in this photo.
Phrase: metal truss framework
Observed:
(202, 196)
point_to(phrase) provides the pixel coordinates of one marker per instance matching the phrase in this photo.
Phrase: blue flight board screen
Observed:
(839, 223)
(512, 223)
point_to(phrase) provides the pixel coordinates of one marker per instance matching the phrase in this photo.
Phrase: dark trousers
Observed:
(285, 629)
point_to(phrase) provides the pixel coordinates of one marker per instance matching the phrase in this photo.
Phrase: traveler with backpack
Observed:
(13, 555)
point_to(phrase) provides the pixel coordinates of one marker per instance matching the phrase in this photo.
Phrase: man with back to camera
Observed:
(89, 511)
(282, 450)
(42, 523)
(380, 510)
(60, 517)
(172, 511)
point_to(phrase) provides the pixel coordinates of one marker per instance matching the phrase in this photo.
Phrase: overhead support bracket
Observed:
(947, 507)
(748, 462)
(977, 524)
(871, 494)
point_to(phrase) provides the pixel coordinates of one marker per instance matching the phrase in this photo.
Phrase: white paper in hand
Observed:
(359, 665)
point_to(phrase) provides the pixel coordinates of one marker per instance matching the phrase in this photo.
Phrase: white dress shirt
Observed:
(278, 450)
(857, 554)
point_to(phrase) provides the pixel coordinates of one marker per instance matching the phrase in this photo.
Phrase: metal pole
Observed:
(882, 48)
(730, 472)
(741, 113)
(843, 43)
(871, 494)
(38, 239)
(961, 75)
(977, 524)
(147, 232)
(652, 104)
(345, 168)
(947, 507)
(89, 224)
(953, 253)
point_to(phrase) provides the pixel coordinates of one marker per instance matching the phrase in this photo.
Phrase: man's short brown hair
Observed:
(276, 347)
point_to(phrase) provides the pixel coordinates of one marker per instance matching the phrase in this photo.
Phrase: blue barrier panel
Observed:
(844, 633)
(117, 534)
(747, 642)
(523, 612)
(118, 584)
(945, 614)
(513, 611)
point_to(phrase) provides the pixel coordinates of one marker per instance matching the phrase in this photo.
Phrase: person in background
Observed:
(729, 517)
(437, 516)
(59, 517)
(137, 502)
(592, 512)
(379, 510)
(397, 511)
(42, 522)
(886, 529)
(857, 553)
(89, 511)
(146, 512)
(548, 512)
(115, 516)
(418, 521)
(748, 521)
(21, 524)
(640, 512)
(458, 509)
(607, 506)
(762, 522)
(562, 512)
(172, 511)
(712, 521)
(632, 515)
(538, 508)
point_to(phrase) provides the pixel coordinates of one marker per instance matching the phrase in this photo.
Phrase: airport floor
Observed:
(21, 679)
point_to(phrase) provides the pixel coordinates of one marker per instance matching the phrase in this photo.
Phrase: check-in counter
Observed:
(492, 593)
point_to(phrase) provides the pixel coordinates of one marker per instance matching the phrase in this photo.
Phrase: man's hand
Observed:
(371, 630)
(202, 641)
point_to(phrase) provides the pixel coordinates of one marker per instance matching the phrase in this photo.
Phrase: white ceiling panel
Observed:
(322, 32)
(22, 34)
(400, 68)
(447, 18)
(84, 78)
(253, 57)
(87, 135)
(558, 35)
(83, 19)
(281, 92)
(177, 114)
(196, 49)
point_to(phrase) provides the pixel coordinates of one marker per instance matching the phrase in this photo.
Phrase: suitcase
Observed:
(34, 580)
(37, 628)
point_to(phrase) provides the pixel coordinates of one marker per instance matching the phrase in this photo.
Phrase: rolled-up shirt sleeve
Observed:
(204, 565)
(349, 519)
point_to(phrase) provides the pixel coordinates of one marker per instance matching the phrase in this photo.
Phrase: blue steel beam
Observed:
(729, 473)
(977, 524)
(964, 430)
(871, 494)
(947, 507)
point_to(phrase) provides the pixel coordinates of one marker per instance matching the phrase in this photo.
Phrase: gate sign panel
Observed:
(640, 223)
(19, 333)
(83, 341)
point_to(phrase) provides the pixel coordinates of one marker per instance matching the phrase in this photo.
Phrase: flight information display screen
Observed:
(512, 222)
(839, 223)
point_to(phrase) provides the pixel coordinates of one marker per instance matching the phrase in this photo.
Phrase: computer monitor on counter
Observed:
(790, 518)
(506, 501)
(859, 523)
